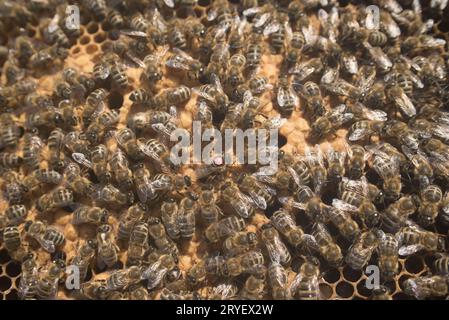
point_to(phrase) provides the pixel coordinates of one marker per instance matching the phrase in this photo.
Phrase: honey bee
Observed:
(160, 153)
(331, 121)
(441, 264)
(381, 293)
(27, 288)
(301, 170)
(253, 52)
(399, 132)
(347, 227)
(98, 158)
(169, 214)
(55, 143)
(84, 256)
(305, 70)
(123, 279)
(59, 198)
(214, 94)
(47, 285)
(397, 213)
(76, 142)
(9, 131)
(94, 104)
(364, 129)
(261, 195)
(311, 92)
(336, 164)
(287, 99)
(430, 199)
(239, 243)
(423, 287)
(388, 170)
(161, 240)
(142, 182)
(48, 237)
(31, 151)
(224, 228)
(153, 72)
(12, 238)
(120, 169)
(15, 214)
(105, 121)
(75, 181)
(138, 243)
(253, 288)
(182, 61)
(284, 223)
(127, 221)
(10, 160)
(326, 245)
(275, 246)
(250, 262)
(157, 271)
(357, 197)
(45, 58)
(111, 195)
(107, 249)
(388, 250)
(413, 238)
(138, 293)
(436, 149)
(361, 250)
(91, 215)
(115, 19)
(305, 285)
(186, 215)
(236, 67)
(308, 201)
(209, 210)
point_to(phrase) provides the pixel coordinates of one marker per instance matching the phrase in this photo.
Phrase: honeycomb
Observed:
(342, 283)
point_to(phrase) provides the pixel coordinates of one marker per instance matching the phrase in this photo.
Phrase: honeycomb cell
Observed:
(4, 256)
(414, 264)
(76, 50)
(344, 289)
(115, 100)
(351, 274)
(5, 283)
(99, 38)
(84, 40)
(402, 278)
(326, 291)
(13, 269)
(91, 48)
(332, 276)
(92, 28)
(12, 295)
(362, 290)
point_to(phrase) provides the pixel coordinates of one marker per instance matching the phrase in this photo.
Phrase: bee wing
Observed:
(242, 206)
(276, 122)
(294, 175)
(260, 21)
(329, 75)
(81, 159)
(103, 70)
(177, 62)
(156, 278)
(150, 153)
(47, 245)
(358, 134)
(441, 131)
(169, 3)
(288, 201)
(302, 69)
(411, 249)
(295, 284)
(134, 33)
(160, 128)
(200, 91)
(271, 27)
(341, 205)
(251, 11)
(259, 201)
(216, 81)
(310, 34)
(135, 59)
(350, 63)
(310, 242)
(212, 14)
(405, 104)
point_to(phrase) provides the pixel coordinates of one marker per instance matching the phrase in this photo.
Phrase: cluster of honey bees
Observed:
(379, 195)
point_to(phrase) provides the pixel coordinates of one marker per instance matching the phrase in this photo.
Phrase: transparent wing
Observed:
(81, 159)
